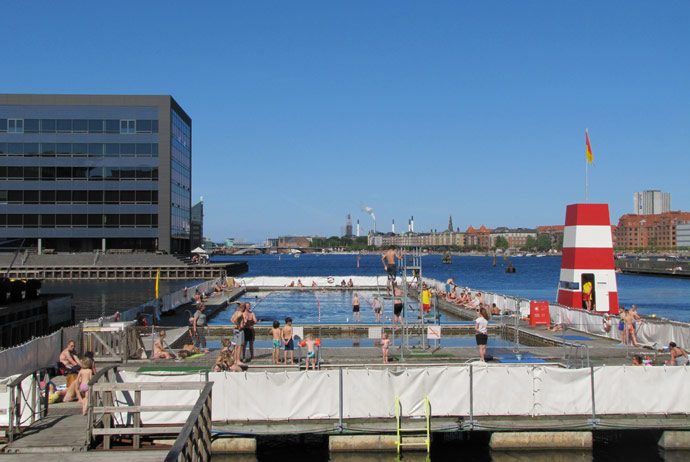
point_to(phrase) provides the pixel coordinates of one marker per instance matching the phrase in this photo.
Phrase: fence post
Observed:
(594, 422)
(340, 400)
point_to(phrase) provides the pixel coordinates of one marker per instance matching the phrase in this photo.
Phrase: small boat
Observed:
(447, 258)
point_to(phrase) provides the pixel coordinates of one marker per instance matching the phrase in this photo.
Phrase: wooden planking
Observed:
(148, 455)
(157, 386)
(162, 408)
(137, 431)
(55, 433)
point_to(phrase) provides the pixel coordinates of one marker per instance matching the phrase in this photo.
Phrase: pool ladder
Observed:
(413, 438)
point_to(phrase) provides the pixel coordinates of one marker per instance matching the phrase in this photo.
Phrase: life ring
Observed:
(606, 320)
(330, 280)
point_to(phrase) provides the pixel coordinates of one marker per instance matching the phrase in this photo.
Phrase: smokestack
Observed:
(409, 228)
(358, 227)
(412, 224)
(393, 225)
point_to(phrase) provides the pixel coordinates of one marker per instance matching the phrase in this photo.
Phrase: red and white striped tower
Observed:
(588, 255)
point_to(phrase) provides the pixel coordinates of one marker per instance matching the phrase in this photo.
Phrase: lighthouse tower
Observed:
(588, 257)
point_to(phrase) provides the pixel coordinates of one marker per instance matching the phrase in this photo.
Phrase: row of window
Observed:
(78, 220)
(115, 126)
(30, 196)
(79, 173)
(79, 149)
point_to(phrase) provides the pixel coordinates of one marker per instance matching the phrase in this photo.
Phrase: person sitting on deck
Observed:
(314, 284)
(679, 357)
(69, 359)
(299, 283)
(343, 283)
(292, 284)
(159, 350)
(350, 283)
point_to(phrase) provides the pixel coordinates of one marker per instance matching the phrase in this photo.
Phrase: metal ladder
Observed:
(414, 437)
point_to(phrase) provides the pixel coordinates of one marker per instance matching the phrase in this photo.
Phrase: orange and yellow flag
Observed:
(590, 156)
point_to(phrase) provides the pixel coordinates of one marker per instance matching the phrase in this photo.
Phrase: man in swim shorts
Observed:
(397, 308)
(355, 308)
(389, 260)
(377, 306)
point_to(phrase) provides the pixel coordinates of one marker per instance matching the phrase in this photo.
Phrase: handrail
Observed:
(398, 411)
(427, 411)
(196, 433)
(37, 406)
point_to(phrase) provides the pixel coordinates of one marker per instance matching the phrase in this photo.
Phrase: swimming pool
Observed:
(313, 306)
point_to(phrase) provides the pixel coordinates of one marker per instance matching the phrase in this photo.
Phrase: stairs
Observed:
(413, 433)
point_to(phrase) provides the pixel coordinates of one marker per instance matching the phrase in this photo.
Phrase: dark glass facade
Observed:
(84, 172)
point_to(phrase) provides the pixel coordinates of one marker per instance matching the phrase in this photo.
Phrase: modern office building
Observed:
(196, 233)
(84, 172)
(651, 202)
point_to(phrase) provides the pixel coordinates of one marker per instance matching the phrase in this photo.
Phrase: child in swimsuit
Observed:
(82, 384)
(385, 344)
(311, 353)
(277, 334)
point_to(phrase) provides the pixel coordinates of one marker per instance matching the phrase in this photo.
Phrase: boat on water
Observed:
(447, 258)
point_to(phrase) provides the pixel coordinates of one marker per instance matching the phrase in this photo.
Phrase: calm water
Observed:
(536, 278)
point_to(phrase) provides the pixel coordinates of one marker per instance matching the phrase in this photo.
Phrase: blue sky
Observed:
(304, 111)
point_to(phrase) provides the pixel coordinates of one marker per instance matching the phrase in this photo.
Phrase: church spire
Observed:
(450, 223)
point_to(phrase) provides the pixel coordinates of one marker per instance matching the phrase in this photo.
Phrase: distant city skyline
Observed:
(303, 112)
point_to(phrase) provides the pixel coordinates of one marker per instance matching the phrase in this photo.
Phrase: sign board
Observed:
(433, 332)
(539, 314)
(375, 332)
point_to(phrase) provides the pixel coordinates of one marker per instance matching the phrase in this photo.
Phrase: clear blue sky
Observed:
(303, 111)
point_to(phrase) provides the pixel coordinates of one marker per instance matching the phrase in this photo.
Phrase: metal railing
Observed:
(194, 440)
(19, 402)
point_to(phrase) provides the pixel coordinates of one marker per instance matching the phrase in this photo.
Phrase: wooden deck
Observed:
(96, 456)
(63, 430)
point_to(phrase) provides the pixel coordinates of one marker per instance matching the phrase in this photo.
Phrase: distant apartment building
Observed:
(651, 202)
(85, 172)
(644, 231)
(516, 237)
(683, 235)
(410, 239)
(480, 238)
(196, 230)
(290, 242)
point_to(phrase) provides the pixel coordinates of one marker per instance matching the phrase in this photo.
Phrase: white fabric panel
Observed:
(36, 354)
(372, 393)
(562, 391)
(161, 397)
(322, 281)
(276, 395)
(642, 390)
(587, 236)
(506, 390)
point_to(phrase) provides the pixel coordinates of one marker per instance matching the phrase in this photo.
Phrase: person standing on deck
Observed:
(378, 308)
(355, 308)
(389, 260)
(481, 328)
(587, 295)
(199, 327)
(249, 323)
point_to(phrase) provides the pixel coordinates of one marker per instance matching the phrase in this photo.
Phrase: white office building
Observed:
(651, 202)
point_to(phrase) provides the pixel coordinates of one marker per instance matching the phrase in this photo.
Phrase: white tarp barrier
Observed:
(36, 354)
(160, 397)
(642, 390)
(321, 281)
(275, 395)
(370, 393)
(647, 333)
(502, 390)
(24, 401)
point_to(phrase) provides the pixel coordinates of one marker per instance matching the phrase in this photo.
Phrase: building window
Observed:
(15, 125)
(127, 126)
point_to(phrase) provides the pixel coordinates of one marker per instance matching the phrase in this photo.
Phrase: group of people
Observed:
(82, 370)
(629, 321)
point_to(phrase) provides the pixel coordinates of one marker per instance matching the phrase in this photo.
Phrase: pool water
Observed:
(313, 306)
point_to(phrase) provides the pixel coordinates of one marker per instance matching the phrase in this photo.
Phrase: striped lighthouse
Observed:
(588, 259)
